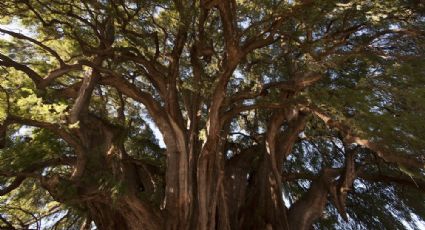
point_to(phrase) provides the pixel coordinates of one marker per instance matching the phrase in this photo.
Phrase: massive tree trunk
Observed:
(239, 193)
(205, 190)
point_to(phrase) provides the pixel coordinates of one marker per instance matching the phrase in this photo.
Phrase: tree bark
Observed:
(111, 188)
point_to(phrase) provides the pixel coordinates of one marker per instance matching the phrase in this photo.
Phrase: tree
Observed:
(273, 114)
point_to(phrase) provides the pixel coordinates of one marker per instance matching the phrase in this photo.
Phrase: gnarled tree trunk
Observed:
(110, 184)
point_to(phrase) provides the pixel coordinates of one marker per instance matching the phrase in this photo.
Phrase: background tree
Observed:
(271, 114)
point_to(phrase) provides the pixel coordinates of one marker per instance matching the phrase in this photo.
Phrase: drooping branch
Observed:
(38, 43)
(3, 132)
(39, 16)
(36, 166)
(35, 220)
(380, 150)
(38, 80)
(30, 172)
(8, 62)
(417, 184)
(54, 128)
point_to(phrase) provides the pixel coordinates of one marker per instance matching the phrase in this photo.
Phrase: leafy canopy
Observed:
(355, 67)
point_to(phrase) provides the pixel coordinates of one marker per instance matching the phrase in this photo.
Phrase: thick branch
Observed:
(306, 210)
(290, 135)
(64, 69)
(81, 104)
(15, 184)
(172, 104)
(228, 17)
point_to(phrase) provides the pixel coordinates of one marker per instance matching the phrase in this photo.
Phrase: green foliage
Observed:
(369, 54)
(37, 146)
